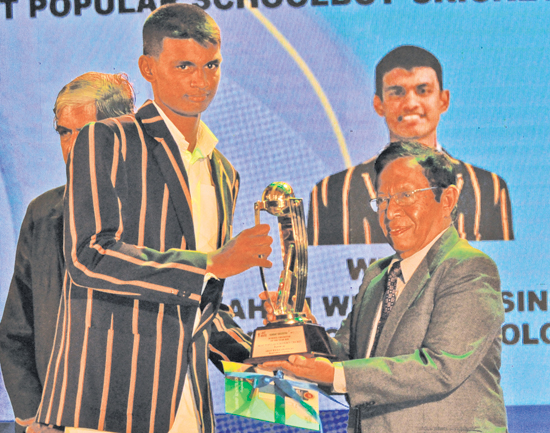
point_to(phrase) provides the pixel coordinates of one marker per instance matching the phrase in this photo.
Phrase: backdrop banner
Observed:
(295, 105)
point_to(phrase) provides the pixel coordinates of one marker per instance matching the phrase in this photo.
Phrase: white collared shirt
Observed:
(205, 222)
(408, 268)
(201, 186)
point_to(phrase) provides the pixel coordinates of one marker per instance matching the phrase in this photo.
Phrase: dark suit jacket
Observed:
(124, 337)
(340, 212)
(28, 325)
(436, 366)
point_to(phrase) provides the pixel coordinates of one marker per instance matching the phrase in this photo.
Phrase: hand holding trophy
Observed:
(292, 333)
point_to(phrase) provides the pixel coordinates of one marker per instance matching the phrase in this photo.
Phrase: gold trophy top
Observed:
(275, 199)
(278, 200)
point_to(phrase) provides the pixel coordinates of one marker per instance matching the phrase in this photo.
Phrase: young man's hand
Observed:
(249, 248)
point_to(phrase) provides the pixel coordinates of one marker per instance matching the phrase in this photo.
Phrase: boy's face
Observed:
(185, 75)
(412, 104)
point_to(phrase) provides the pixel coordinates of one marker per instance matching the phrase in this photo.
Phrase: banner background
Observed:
(272, 126)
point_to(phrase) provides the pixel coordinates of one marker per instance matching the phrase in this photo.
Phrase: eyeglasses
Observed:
(405, 198)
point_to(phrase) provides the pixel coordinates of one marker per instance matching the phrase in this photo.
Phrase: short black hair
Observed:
(436, 166)
(406, 57)
(178, 21)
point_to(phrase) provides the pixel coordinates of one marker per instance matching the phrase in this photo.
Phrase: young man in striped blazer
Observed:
(411, 98)
(148, 221)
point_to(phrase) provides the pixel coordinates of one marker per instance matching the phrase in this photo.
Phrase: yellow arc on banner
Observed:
(310, 77)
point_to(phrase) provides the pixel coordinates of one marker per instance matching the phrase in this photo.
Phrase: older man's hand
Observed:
(319, 370)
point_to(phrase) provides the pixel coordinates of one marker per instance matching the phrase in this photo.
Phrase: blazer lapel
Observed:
(415, 286)
(167, 155)
(224, 197)
(370, 300)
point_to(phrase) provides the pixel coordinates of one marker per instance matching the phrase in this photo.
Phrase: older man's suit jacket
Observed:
(340, 212)
(28, 324)
(436, 366)
(124, 338)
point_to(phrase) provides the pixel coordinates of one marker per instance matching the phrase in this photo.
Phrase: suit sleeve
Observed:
(17, 355)
(464, 326)
(98, 252)
(341, 343)
(228, 341)
(344, 342)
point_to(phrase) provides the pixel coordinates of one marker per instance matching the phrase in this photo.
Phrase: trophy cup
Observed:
(291, 333)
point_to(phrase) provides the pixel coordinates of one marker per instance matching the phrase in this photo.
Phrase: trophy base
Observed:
(276, 342)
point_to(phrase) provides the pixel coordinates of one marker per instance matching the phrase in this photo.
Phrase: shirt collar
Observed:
(409, 265)
(206, 140)
(437, 147)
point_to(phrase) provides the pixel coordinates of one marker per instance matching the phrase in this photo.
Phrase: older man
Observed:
(420, 350)
(28, 324)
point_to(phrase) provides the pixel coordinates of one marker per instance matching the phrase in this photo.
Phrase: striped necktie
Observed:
(390, 296)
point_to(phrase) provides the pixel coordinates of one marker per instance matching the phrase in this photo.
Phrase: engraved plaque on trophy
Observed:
(291, 333)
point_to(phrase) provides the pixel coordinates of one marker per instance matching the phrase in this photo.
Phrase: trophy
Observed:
(291, 333)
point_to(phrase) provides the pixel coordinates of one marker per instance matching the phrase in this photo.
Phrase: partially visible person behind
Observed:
(421, 349)
(28, 324)
(411, 98)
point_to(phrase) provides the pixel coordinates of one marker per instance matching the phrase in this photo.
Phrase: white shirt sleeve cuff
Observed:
(206, 279)
(339, 383)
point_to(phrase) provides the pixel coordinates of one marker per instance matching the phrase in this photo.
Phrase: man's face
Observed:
(184, 77)
(70, 120)
(410, 228)
(412, 104)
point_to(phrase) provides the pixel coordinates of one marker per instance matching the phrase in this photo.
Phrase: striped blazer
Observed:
(340, 212)
(124, 337)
